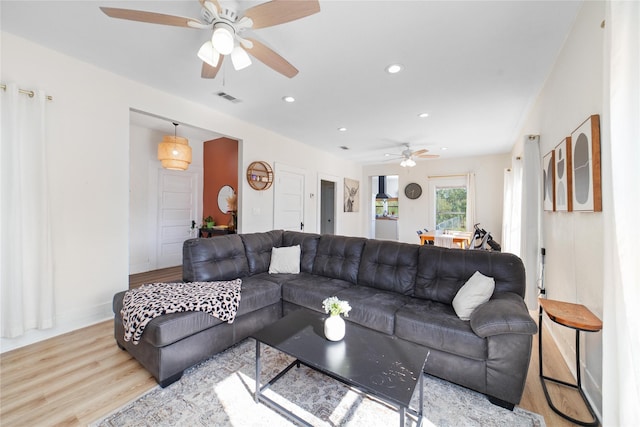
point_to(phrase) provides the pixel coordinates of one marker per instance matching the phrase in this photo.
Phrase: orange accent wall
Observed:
(220, 168)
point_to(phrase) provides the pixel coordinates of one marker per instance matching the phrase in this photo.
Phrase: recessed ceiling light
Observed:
(444, 148)
(288, 99)
(423, 115)
(394, 68)
(343, 129)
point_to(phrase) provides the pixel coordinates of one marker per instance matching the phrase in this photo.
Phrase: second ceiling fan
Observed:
(409, 155)
(228, 25)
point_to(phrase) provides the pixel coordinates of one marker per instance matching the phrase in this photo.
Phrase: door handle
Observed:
(301, 226)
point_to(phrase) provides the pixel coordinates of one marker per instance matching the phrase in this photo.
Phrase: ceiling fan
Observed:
(228, 25)
(408, 156)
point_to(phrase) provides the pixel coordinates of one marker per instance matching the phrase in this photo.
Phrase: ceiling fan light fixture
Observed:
(209, 54)
(408, 163)
(222, 38)
(240, 58)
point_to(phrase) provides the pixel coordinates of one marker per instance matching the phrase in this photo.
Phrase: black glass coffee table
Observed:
(380, 365)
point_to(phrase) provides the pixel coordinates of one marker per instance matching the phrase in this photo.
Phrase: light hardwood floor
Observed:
(81, 376)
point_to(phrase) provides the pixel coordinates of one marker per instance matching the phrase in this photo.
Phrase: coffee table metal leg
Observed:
(421, 398)
(257, 393)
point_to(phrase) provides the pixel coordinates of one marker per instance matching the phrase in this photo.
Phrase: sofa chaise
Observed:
(396, 288)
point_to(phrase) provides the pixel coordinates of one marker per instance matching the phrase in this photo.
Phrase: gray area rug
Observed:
(219, 392)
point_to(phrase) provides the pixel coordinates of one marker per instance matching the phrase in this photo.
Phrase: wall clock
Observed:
(413, 190)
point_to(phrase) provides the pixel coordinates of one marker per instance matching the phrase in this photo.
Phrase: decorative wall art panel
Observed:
(562, 160)
(351, 195)
(585, 150)
(549, 181)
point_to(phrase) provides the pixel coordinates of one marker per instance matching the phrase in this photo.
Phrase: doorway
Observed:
(327, 207)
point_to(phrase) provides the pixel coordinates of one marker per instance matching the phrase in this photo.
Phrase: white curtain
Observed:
(26, 268)
(512, 208)
(471, 200)
(531, 215)
(522, 214)
(621, 152)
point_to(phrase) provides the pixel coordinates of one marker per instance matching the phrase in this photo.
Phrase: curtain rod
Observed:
(26, 92)
(448, 176)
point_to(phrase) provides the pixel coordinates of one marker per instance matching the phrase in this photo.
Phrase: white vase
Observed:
(334, 327)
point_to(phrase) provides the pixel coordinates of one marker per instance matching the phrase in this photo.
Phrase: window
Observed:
(451, 208)
(449, 204)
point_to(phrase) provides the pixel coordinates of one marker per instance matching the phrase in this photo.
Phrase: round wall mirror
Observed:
(225, 192)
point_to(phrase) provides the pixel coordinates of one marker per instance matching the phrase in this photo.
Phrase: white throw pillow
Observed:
(474, 293)
(285, 260)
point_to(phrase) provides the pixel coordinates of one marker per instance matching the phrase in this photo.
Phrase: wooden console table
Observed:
(461, 240)
(580, 318)
(210, 232)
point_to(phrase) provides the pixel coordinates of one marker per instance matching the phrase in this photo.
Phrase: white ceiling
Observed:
(475, 66)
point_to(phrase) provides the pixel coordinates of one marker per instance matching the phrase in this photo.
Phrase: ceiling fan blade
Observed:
(280, 11)
(429, 156)
(215, 3)
(419, 152)
(150, 17)
(271, 59)
(209, 72)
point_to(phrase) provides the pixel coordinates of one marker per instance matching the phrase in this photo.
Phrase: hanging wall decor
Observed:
(549, 181)
(562, 159)
(351, 195)
(585, 151)
(260, 175)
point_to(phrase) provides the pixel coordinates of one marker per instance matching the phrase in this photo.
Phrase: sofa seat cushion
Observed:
(436, 325)
(255, 294)
(309, 290)
(373, 308)
(258, 292)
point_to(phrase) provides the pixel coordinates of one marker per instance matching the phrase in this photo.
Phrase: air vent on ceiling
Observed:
(228, 97)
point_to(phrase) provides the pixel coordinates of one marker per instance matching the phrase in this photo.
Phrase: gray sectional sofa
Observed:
(396, 288)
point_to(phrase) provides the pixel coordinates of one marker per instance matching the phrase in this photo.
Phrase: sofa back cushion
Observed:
(216, 258)
(308, 247)
(258, 249)
(388, 265)
(338, 257)
(442, 272)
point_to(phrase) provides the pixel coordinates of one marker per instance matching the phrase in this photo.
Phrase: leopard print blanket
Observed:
(141, 305)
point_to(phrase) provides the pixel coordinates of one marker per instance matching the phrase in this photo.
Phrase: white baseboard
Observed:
(64, 323)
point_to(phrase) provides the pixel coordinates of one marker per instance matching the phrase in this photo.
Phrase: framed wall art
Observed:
(562, 160)
(351, 195)
(549, 181)
(585, 150)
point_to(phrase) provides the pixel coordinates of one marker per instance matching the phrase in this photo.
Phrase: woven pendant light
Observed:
(174, 151)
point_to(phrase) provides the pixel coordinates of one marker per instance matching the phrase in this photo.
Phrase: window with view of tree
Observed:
(451, 208)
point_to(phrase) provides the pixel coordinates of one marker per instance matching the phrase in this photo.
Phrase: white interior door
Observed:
(288, 204)
(177, 207)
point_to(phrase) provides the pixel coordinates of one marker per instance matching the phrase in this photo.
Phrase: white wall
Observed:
(89, 173)
(413, 214)
(573, 240)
